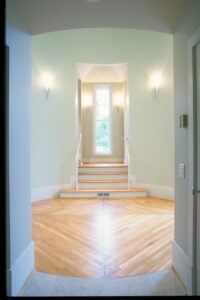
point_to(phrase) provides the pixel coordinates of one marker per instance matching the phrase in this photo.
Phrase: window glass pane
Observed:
(102, 112)
(102, 102)
(102, 96)
(102, 145)
(102, 128)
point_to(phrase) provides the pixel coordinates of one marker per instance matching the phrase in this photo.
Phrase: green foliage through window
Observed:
(102, 99)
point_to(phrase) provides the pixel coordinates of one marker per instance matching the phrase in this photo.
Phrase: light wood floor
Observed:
(103, 238)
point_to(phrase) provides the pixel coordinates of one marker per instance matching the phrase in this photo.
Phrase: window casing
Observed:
(102, 120)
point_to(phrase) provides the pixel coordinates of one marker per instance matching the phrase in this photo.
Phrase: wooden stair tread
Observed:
(107, 173)
(103, 165)
(91, 190)
(103, 181)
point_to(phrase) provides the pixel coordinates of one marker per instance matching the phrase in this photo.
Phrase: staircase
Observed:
(102, 180)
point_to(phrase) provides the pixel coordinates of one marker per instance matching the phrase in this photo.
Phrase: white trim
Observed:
(109, 86)
(52, 191)
(96, 185)
(20, 271)
(102, 170)
(159, 191)
(192, 43)
(94, 195)
(76, 103)
(182, 266)
(103, 176)
(132, 180)
(26, 283)
(96, 160)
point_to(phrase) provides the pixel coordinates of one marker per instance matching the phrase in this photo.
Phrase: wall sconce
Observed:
(47, 82)
(117, 101)
(87, 100)
(156, 82)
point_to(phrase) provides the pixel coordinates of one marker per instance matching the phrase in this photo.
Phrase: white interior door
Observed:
(198, 169)
(194, 159)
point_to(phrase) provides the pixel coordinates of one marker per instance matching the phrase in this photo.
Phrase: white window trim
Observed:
(94, 118)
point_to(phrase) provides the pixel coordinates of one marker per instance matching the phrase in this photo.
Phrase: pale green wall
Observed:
(53, 120)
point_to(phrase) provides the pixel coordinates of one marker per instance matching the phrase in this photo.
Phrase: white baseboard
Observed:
(182, 266)
(19, 272)
(53, 191)
(48, 192)
(95, 194)
(109, 160)
(159, 191)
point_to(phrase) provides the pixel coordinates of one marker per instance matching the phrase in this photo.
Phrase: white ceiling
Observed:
(42, 16)
(102, 74)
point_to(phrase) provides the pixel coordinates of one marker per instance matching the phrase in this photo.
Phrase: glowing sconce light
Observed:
(87, 100)
(47, 81)
(118, 101)
(156, 82)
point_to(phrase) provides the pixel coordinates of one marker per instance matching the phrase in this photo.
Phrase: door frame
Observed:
(192, 219)
(126, 104)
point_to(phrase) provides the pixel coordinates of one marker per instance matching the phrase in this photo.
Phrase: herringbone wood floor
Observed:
(103, 238)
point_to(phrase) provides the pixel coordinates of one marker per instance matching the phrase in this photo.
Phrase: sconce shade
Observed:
(156, 82)
(47, 82)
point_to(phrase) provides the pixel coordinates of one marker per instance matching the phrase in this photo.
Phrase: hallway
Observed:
(103, 238)
(163, 283)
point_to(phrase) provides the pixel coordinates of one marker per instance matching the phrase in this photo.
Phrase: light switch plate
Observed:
(181, 170)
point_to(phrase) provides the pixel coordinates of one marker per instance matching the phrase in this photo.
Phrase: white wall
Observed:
(20, 251)
(181, 252)
(53, 141)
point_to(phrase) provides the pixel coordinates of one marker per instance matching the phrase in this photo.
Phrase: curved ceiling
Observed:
(42, 16)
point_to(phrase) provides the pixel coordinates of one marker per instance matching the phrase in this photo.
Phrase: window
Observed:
(102, 111)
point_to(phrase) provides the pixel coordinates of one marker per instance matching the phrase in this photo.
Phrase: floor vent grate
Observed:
(100, 195)
(107, 195)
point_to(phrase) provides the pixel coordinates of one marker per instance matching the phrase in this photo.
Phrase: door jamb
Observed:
(192, 43)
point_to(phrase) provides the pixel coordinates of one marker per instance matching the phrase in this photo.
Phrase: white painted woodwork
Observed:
(103, 170)
(103, 176)
(106, 184)
(198, 168)
(111, 178)
(193, 286)
(112, 194)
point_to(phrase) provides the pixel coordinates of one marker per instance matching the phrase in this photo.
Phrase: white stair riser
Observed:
(103, 170)
(88, 185)
(103, 177)
(94, 195)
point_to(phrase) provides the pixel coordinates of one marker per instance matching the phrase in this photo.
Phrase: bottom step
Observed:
(93, 193)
